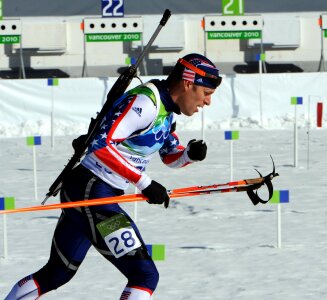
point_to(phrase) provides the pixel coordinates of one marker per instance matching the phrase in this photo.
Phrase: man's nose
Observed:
(207, 100)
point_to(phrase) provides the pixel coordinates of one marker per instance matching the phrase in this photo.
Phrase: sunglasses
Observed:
(215, 79)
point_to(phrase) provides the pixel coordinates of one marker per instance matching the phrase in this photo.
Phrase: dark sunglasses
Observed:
(215, 79)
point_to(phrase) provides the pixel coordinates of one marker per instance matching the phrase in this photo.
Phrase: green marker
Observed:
(157, 252)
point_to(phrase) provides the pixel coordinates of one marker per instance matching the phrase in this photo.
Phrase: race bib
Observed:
(119, 235)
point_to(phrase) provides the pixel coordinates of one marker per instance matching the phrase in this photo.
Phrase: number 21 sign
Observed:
(112, 8)
(233, 7)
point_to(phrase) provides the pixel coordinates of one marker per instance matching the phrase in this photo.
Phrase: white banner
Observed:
(26, 105)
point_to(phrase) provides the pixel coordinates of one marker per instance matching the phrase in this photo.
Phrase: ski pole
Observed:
(238, 186)
(118, 199)
(243, 182)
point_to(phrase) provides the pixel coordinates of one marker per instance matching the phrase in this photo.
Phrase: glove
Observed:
(196, 150)
(156, 193)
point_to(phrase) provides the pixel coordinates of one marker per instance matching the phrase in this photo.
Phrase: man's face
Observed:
(195, 96)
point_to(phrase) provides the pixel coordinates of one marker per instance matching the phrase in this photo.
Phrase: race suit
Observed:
(139, 124)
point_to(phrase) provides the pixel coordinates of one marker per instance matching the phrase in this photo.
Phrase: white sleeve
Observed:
(138, 115)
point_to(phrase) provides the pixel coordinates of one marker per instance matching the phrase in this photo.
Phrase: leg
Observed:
(119, 241)
(69, 247)
(26, 288)
(131, 293)
(126, 249)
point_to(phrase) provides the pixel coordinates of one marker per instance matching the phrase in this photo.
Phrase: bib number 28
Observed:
(122, 241)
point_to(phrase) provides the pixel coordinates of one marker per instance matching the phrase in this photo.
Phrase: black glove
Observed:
(156, 193)
(196, 150)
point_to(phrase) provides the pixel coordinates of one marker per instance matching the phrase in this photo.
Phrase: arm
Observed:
(123, 123)
(136, 116)
(175, 155)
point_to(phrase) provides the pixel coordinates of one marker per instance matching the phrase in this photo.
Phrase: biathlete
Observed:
(139, 124)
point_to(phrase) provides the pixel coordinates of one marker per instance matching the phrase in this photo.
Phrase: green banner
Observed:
(325, 33)
(232, 7)
(9, 39)
(234, 35)
(113, 37)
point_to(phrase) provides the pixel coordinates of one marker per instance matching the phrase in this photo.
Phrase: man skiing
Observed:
(139, 124)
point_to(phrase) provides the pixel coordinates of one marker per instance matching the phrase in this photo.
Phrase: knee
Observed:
(154, 279)
(53, 275)
(147, 278)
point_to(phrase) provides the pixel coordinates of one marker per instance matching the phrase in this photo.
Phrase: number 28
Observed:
(126, 238)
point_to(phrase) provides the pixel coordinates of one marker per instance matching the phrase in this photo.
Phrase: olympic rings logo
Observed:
(113, 226)
(161, 131)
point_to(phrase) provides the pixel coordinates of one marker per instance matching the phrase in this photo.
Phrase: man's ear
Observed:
(187, 84)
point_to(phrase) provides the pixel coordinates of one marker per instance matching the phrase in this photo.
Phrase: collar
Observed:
(166, 99)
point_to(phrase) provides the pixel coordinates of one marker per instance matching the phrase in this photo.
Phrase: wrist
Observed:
(144, 182)
(186, 158)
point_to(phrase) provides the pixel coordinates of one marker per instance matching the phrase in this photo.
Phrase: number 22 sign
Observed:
(112, 8)
(232, 7)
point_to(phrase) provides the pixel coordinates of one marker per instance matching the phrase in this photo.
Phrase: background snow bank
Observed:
(26, 105)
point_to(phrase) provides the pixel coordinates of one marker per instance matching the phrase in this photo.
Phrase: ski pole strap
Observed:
(266, 180)
(253, 192)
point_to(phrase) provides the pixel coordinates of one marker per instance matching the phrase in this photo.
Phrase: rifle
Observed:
(115, 92)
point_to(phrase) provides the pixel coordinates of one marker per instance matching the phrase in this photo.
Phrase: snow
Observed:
(217, 246)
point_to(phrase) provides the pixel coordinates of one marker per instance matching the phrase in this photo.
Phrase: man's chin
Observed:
(189, 114)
